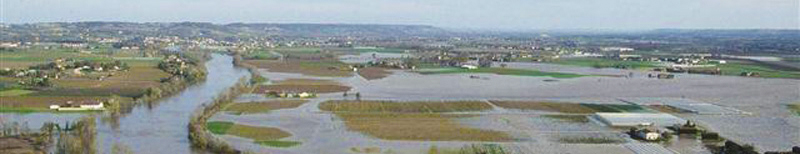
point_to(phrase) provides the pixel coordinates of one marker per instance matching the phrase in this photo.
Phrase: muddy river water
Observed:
(158, 127)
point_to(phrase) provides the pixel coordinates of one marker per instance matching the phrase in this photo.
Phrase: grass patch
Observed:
(605, 63)
(257, 133)
(280, 144)
(412, 120)
(298, 49)
(403, 107)
(569, 118)
(252, 132)
(219, 127)
(380, 50)
(546, 106)
(42, 56)
(15, 92)
(22, 110)
(589, 140)
(735, 68)
(262, 55)
(794, 108)
(583, 108)
(365, 150)
(503, 71)
(260, 107)
(418, 126)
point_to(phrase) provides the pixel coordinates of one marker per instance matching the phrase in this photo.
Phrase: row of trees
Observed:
(79, 138)
(72, 138)
(181, 78)
(199, 136)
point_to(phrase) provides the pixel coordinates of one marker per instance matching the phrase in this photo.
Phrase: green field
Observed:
(46, 55)
(568, 118)
(792, 59)
(219, 127)
(22, 110)
(381, 50)
(280, 144)
(605, 63)
(418, 127)
(257, 133)
(794, 108)
(735, 68)
(565, 107)
(423, 121)
(261, 54)
(502, 71)
(15, 92)
(297, 49)
(265, 136)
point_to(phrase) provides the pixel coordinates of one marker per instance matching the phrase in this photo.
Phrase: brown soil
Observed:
(373, 73)
(305, 67)
(545, 106)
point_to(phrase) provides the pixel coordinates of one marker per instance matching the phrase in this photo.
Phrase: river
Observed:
(157, 128)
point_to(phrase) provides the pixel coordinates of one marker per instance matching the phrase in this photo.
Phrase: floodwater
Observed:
(764, 98)
(159, 127)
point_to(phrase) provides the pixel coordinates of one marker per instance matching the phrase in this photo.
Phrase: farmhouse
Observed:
(83, 106)
(469, 67)
(648, 134)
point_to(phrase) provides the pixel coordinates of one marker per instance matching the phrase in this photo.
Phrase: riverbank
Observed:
(128, 83)
(199, 135)
(159, 126)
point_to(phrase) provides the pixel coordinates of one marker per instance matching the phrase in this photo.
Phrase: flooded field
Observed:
(535, 131)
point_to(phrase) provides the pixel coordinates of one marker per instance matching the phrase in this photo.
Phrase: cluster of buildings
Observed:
(283, 94)
(174, 64)
(40, 75)
(396, 63)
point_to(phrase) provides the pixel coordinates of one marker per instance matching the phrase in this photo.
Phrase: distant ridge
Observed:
(211, 30)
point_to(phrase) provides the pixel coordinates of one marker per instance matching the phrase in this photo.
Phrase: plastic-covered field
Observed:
(635, 119)
(689, 105)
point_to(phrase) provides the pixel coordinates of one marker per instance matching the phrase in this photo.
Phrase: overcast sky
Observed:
(468, 14)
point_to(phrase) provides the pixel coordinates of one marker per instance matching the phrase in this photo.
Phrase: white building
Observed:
(470, 67)
(304, 95)
(92, 106)
(649, 135)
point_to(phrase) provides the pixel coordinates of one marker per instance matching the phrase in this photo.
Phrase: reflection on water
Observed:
(151, 128)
